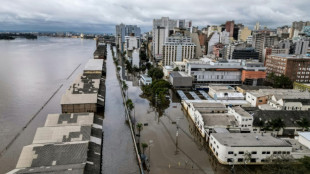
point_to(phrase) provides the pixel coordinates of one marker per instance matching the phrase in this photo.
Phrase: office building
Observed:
(245, 53)
(177, 48)
(252, 148)
(296, 67)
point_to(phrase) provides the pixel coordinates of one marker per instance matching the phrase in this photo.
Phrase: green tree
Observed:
(277, 124)
(176, 69)
(144, 146)
(148, 66)
(156, 73)
(283, 164)
(139, 127)
(125, 87)
(304, 123)
(130, 104)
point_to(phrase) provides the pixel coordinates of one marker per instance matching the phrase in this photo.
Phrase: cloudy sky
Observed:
(102, 15)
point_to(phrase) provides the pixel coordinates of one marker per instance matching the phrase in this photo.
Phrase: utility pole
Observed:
(177, 136)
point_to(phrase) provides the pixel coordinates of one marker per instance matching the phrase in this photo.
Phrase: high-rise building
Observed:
(301, 46)
(257, 26)
(177, 48)
(229, 26)
(298, 27)
(122, 31)
(261, 40)
(243, 34)
(162, 28)
(213, 39)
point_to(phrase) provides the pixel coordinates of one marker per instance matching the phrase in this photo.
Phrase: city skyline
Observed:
(101, 16)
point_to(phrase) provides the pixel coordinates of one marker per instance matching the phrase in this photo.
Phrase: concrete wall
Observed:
(78, 108)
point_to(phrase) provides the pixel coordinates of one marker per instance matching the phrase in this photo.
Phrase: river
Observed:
(30, 72)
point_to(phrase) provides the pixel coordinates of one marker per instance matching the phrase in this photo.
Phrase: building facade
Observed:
(296, 67)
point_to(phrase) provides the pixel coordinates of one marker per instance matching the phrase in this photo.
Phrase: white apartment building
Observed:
(177, 48)
(249, 148)
(214, 39)
(224, 39)
(244, 119)
(161, 29)
(131, 43)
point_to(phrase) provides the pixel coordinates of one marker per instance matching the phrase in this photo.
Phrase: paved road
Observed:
(118, 150)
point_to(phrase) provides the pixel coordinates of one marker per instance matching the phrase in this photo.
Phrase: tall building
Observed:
(298, 27)
(229, 26)
(301, 46)
(213, 39)
(224, 39)
(122, 31)
(262, 39)
(243, 34)
(257, 26)
(177, 48)
(296, 67)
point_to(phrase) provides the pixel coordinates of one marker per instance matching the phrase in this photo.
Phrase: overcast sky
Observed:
(102, 15)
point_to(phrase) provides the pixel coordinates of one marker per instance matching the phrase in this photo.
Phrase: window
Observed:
(287, 152)
(279, 152)
(260, 101)
(263, 160)
(263, 152)
(253, 160)
(229, 160)
(241, 152)
(253, 152)
(274, 152)
(283, 152)
(268, 152)
(230, 152)
(240, 159)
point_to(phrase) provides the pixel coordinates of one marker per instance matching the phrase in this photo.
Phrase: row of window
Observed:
(263, 152)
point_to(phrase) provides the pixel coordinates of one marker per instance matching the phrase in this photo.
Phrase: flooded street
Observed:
(30, 72)
(118, 150)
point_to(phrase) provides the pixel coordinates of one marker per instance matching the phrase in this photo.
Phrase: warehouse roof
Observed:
(249, 140)
(69, 119)
(94, 65)
(37, 155)
(83, 90)
(58, 169)
(62, 134)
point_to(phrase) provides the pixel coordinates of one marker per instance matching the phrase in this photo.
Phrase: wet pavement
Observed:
(118, 155)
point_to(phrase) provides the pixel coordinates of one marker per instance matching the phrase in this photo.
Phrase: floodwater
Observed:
(118, 149)
(30, 72)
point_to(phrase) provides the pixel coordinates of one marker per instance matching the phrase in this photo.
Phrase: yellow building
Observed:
(244, 34)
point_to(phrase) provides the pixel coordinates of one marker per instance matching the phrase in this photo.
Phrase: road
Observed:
(118, 150)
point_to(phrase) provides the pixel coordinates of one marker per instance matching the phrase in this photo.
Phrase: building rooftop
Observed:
(290, 118)
(266, 92)
(292, 56)
(94, 65)
(215, 120)
(179, 74)
(225, 102)
(62, 134)
(306, 135)
(37, 155)
(58, 169)
(241, 111)
(69, 119)
(83, 90)
(208, 105)
(248, 87)
(249, 140)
